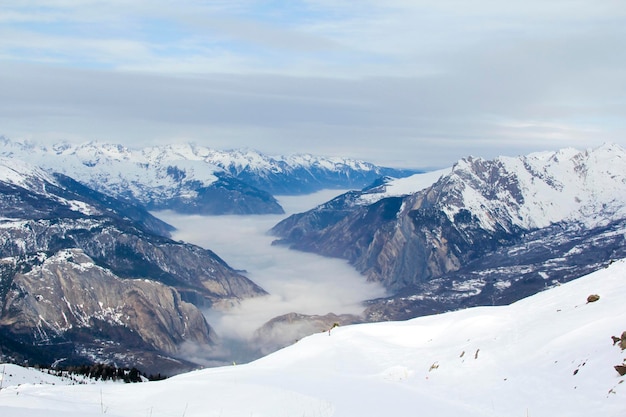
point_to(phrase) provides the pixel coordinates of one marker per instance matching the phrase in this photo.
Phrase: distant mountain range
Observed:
(482, 232)
(193, 179)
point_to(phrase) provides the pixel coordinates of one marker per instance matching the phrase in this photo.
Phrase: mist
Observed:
(296, 281)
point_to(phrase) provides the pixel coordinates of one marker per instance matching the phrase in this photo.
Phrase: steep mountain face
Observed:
(88, 277)
(484, 230)
(194, 179)
(68, 293)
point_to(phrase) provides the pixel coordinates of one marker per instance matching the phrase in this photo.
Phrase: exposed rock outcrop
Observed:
(68, 291)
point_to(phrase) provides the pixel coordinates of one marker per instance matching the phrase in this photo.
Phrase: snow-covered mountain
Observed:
(487, 231)
(300, 174)
(528, 192)
(548, 355)
(91, 278)
(193, 179)
(173, 177)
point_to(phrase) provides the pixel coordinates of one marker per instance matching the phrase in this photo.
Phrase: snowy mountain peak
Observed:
(540, 189)
(240, 160)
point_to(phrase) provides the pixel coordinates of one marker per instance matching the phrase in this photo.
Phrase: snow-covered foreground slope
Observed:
(13, 375)
(548, 355)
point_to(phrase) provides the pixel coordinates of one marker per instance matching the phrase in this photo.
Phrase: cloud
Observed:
(411, 83)
(296, 281)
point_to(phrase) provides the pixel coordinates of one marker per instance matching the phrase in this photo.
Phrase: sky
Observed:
(405, 83)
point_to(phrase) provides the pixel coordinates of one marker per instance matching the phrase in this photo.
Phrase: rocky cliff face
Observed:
(540, 259)
(68, 291)
(448, 229)
(199, 274)
(90, 278)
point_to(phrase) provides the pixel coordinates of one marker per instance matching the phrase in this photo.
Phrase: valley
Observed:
(297, 282)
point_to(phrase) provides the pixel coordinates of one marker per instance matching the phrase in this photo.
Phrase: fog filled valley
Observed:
(297, 282)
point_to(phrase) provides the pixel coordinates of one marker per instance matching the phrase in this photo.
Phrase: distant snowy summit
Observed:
(193, 179)
(481, 232)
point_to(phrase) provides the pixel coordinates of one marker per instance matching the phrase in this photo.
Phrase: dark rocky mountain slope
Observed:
(87, 277)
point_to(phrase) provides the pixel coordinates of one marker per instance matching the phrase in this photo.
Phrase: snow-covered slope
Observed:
(398, 187)
(22, 174)
(28, 192)
(14, 375)
(548, 355)
(17, 174)
(540, 189)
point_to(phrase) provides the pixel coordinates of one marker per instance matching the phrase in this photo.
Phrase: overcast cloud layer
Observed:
(415, 83)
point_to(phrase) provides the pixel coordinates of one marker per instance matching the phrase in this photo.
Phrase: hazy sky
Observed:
(415, 83)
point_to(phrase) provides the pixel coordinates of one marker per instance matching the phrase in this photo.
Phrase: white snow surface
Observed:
(548, 355)
(398, 187)
(22, 174)
(12, 376)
